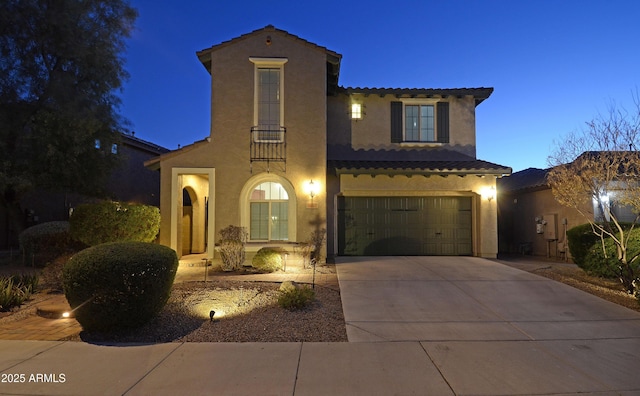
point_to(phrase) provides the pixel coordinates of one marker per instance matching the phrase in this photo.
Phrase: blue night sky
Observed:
(553, 64)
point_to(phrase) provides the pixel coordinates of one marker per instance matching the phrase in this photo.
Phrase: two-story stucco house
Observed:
(385, 171)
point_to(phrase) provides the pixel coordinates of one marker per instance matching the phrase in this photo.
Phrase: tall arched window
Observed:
(269, 213)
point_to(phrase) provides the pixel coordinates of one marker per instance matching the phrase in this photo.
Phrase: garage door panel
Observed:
(405, 226)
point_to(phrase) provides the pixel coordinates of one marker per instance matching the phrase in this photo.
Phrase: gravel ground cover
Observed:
(244, 312)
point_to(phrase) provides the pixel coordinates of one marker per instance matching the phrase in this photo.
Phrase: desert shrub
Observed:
(120, 284)
(111, 221)
(16, 289)
(267, 260)
(293, 298)
(580, 240)
(586, 250)
(44, 242)
(597, 264)
(232, 247)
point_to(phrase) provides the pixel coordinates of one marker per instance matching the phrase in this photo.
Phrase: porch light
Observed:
(312, 189)
(66, 314)
(356, 111)
(489, 193)
(211, 314)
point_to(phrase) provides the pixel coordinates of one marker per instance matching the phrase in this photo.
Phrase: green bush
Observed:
(119, 285)
(587, 253)
(45, 242)
(267, 260)
(597, 264)
(296, 298)
(232, 242)
(110, 221)
(580, 240)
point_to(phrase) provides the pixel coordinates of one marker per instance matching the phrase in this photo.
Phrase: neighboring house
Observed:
(130, 182)
(385, 171)
(531, 221)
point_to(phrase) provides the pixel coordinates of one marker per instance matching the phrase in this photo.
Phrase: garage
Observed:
(392, 226)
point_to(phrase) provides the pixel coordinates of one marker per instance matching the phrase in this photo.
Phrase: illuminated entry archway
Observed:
(199, 184)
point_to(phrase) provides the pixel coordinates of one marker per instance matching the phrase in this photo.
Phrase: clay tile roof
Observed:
(480, 94)
(426, 162)
(528, 179)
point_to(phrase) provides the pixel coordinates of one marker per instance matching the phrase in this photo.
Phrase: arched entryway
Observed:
(192, 215)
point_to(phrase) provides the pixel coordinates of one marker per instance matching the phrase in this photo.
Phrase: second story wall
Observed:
(301, 70)
(452, 121)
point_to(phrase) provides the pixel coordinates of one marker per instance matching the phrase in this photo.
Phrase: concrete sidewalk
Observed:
(416, 325)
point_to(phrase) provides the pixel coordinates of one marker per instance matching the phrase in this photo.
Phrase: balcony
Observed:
(268, 144)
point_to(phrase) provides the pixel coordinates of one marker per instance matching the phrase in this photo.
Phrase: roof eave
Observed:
(423, 172)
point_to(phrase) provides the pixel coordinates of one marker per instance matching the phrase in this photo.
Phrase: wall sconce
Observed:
(489, 193)
(211, 314)
(357, 111)
(312, 190)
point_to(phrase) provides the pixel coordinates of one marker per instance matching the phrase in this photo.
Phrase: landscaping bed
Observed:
(244, 312)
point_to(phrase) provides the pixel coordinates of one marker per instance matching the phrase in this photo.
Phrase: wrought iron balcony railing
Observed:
(268, 144)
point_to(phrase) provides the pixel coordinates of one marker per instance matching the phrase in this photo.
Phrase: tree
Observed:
(599, 167)
(61, 67)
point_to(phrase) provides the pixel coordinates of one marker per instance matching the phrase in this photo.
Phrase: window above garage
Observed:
(419, 122)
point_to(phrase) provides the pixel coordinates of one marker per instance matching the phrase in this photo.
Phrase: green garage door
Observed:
(399, 226)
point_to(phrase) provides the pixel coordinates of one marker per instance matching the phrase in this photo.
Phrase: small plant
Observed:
(293, 298)
(267, 260)
(232, 247)
(318, 238)
(16, 289)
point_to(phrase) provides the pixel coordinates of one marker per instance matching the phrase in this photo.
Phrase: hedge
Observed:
(112, 221)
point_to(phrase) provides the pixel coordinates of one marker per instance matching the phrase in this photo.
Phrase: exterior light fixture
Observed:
(492, 193)
(312, 189)
(211, 314)
(356, 111)
(489, 193)
(66, 314)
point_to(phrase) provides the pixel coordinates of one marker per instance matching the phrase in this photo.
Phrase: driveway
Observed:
(481, 323)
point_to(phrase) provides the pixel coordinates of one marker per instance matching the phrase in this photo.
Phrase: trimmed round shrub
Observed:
(112, 221)
(119, 285)
(45, 242)
(267, 260)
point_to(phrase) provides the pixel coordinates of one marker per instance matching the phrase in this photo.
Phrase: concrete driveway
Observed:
(483, 323)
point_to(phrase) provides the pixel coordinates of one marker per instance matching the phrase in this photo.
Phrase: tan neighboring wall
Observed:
(526, 224)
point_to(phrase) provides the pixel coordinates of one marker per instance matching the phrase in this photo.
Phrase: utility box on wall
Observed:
(550, 226)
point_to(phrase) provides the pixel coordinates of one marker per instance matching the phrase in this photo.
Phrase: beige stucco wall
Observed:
(484, 210)
(519, 214)
(373, 130)
(232, 116)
